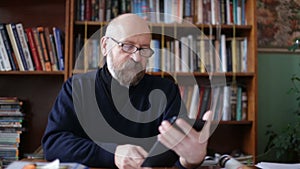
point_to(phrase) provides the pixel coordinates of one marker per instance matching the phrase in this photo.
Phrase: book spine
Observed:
(19, 46)
(3, 53)
(33, 49)
(205, 101)
(24, 46)
(194, 103)
(223, 53)
(39, 47)
(156, 57)
(52, 41)
(47, 62)
(15, 47)
(101, 10)
(184, 54)
(226, 104)
(6, 41)
(239, 104)
(59, 47)
(88, 10)
(234, 55)
(2, 64)
(52, 56)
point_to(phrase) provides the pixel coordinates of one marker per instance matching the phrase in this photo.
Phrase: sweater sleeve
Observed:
(65, 139)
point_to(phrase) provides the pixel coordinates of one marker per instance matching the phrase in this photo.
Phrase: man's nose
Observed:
(136, 56)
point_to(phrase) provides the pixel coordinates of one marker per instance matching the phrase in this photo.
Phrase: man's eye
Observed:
(129, 47)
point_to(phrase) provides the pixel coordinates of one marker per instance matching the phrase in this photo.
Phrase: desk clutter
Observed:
(56, 164)
(221, 160)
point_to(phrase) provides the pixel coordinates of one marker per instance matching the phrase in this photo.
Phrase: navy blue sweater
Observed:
(93, 114)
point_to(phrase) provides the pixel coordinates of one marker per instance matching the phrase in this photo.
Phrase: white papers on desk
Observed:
(268, 165)
(46, 165)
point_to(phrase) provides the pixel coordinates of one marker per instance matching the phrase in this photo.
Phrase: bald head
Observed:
(127, 25)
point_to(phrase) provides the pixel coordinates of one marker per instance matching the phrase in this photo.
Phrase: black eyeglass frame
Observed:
(141, 53)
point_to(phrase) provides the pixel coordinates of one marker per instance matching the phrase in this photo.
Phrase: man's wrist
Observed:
(187, 165)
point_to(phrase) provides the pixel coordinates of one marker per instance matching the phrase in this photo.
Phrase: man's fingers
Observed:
(170, 136)
(185, 127)
(205, 132)
(143, 153)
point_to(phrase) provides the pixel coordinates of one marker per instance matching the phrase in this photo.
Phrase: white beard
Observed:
(129, 73)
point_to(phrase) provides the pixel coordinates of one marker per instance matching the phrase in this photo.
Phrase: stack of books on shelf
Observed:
(29, 49)
(229, 103)
(205, 11)
(196, 54)
(187, 54)
(191, 53)
(11, 118)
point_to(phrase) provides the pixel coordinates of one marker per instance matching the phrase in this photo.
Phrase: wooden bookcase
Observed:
(37, 89)
(229, 135)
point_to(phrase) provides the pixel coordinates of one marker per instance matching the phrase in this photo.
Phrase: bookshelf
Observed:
(37, 89)
(229, 135)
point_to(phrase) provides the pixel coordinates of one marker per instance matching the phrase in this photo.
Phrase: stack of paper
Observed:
(267, 165)
(46, 165)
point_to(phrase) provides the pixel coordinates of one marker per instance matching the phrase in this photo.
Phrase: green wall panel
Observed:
(275, 105)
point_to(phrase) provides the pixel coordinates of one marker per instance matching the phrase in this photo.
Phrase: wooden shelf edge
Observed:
(197, 74)
(32, 73)
(243, 122)
(227, 74)
(223, 26)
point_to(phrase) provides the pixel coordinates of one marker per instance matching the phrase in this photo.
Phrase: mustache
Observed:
(130, 64)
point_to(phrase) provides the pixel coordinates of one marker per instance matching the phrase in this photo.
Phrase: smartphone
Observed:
(160, 156)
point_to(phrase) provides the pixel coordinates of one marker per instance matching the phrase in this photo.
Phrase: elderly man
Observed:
(112, 117)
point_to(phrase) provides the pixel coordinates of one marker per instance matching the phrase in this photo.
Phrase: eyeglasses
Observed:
(129, 48)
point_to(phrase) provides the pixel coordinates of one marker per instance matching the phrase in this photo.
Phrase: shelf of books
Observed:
(30, 49)
(11, 127)
(198, 39)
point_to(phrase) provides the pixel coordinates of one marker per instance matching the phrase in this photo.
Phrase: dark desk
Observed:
(202, 167)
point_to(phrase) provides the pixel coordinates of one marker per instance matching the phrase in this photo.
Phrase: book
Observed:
(47, 62)
(199, 12)
(233, 101)
(8, 47)
(223, 53)
(19, 48)
(201, 92)
(155, 45)
(51, 49)
(24, 46)
(215, 95)
(33, 49)
(101, 10)
(16, 46)
(53, 46)
(59, 47)
(184, 54)
(38, 44)
(226, 116)
(205, 101)
(194, 103)
(239, 104)
(2, 65)
(4, 59)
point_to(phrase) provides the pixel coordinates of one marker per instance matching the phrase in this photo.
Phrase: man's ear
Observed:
(104, 46)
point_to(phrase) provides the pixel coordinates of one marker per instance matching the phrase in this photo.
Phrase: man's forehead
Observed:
(127, 26)
(143, 36)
